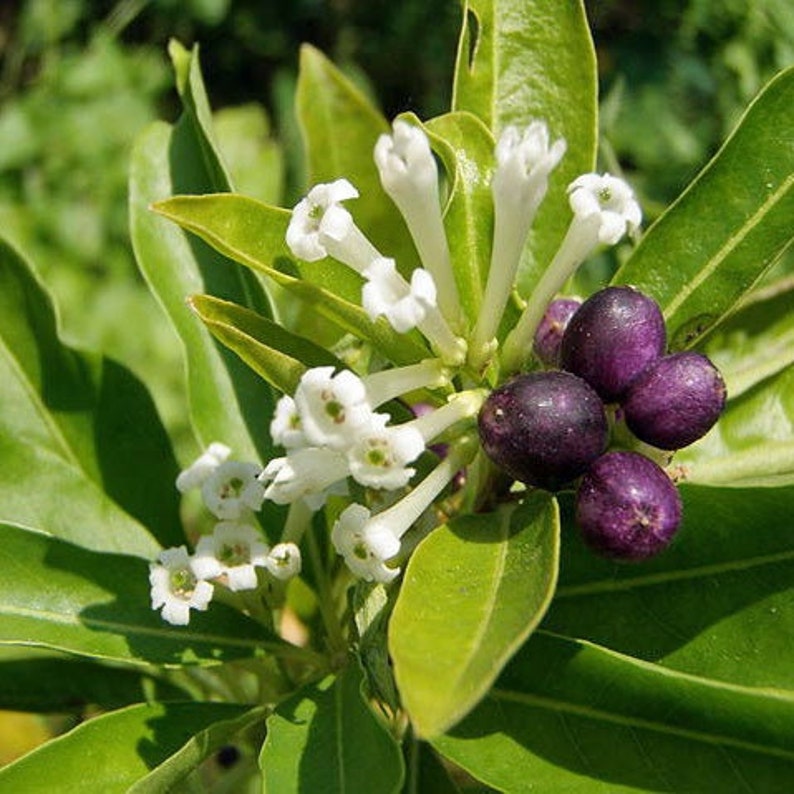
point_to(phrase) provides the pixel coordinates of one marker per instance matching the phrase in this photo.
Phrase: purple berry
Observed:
(544, 428)
(613, 337)
(627, 507)
(548, 336)
(675, 401)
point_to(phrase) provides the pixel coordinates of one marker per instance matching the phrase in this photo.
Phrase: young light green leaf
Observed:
(252, 233)
(279, 356)
(728, 227)
(39, 681)
(327, 738)
(753, 442)
(340, 128)
(111, 752)
(717, 603)
(472, 593)
(573, 717)
(72, 428)
(60, 596)
(467, 149)
(522, 60)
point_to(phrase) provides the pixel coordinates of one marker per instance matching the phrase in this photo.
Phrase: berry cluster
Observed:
(612, 395)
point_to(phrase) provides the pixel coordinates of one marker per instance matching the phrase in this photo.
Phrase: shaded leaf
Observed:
(472, 592)
(326, 738)
(570, 716)
(60, 596)
(111, 752)
(729, 225)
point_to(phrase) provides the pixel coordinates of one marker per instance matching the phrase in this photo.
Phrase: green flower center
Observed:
(182, 583)
(232, 554)
(335, 410)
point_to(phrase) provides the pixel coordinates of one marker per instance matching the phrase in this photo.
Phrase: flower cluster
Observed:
(235, 549)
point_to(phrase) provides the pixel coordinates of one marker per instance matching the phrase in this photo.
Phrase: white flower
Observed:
(233, 489)
(285, 429)
(387, 293)
(175, 587)
(320, 226)
(609, 198)
(405, 162)
(233, 551)
(380, 457)
(302, 474)
(320, 216)
(332, 408)
(202, 467)
(364, 547)
(284, 561)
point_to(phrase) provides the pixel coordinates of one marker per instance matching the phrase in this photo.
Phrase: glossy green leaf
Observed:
(111, 752)
(252, 233)
(753, 442)
(472, 593)
(327, 738)
(72, 428)
(60, 596)
(573, 717)
(718, 603)
(728, 227)
(521, 60)
(468, 146)
(279, 356)
(228, 402)
(340, 127)
(757, 341)
(198, 748)
(38, 681)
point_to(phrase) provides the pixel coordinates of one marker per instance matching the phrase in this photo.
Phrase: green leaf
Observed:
(252, 233)
(326, 738)
(228, 402)
(111, 752)
(60, 596)
(340, 128)
(467, 147)
(718, 603)
(521, 60)
(277, 355)
(757, 341)
(570, 716)
(32, 680)
(472, 593)
(198, 748)
(753, 442)
(72, 428)
(728, 227)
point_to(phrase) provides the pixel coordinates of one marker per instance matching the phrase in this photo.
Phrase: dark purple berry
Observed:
(627, 507)
(544, 428)
(613, 337)
(675, 401)
(548, 336)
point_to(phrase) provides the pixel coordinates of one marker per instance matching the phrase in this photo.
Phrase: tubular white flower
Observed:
(175, 587)
(193, 476)
(232, 553)
(409, 175)
(464, 405)
(380, 457)
(232, 489)
(285, 429)
(390, 383)
(332, 408)
(387, 293)
(524, 161)
(604, 210)
(303, 473)
(364, 547)
(284, 561)
(321, 227)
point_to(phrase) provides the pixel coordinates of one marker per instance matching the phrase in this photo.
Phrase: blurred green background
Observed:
(79, 80)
